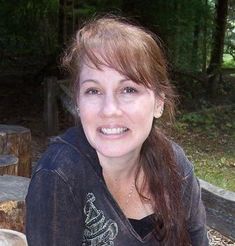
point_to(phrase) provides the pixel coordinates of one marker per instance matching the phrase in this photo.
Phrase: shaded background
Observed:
(199, 40)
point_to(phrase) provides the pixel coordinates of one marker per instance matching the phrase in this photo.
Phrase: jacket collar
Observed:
(76, 139)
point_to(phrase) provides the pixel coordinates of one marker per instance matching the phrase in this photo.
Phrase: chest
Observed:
(106, 224)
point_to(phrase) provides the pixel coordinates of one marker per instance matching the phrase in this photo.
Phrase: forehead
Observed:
(102, 73)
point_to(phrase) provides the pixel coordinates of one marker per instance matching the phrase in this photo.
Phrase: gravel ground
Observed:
(22, 104)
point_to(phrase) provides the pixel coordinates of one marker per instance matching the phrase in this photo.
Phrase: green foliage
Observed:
(218, 169)
(229, 48)
(208, 138)
(200, 119)
(89, 8)
(228, 61)
(28, 26)
(210, 119)
(181, 25)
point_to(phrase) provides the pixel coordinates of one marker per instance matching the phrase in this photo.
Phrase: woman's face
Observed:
(115, 112)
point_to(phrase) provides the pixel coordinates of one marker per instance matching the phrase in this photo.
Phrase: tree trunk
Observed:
(204, 45)
(214, 67)
(62, 23)
(194, 57)
(66, 21)
(73, 17)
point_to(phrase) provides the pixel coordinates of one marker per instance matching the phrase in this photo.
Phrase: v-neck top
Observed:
(69, 204)
(143, 226)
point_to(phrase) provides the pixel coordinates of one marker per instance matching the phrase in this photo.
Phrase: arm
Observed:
(196, 215)
(52, 217)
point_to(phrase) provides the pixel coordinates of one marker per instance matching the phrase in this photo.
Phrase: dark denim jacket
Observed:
(68, 203)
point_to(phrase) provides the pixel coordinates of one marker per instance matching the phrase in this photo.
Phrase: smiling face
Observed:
(116, 113)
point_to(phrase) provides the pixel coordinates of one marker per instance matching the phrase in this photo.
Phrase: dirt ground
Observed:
(21, 103)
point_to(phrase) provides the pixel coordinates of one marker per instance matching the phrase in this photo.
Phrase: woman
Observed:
(115, 179)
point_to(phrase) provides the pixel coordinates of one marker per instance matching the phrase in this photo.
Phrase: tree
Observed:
(216, 59)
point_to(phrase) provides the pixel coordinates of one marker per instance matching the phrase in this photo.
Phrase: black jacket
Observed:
(68, 203)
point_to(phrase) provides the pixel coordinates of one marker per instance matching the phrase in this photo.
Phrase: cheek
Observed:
(88, 117)
(144, 109)
(88, 123)
(84, 109)
(86, 114)
(85, 104)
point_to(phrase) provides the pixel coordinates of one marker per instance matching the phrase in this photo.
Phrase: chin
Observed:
(112, 153)
(117, 151)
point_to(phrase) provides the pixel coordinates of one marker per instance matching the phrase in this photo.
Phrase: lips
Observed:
(113, 130)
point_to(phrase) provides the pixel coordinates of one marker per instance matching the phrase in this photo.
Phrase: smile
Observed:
(113, 131)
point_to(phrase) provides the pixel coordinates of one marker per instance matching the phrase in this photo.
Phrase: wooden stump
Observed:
(12, 238)
(13, 190)
(8, 164)
(16, 140)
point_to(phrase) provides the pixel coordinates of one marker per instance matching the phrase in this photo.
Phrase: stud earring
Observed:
(78, 110)
(159, 114)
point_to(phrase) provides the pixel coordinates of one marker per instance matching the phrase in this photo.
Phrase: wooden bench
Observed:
(220, 208)
(54, 91)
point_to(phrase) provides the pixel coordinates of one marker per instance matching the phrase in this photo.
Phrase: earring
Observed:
(159, 114)
(78, 110)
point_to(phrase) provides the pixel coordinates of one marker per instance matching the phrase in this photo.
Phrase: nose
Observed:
(110, 106)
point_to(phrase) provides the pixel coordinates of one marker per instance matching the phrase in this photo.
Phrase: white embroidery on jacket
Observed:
(99, 231)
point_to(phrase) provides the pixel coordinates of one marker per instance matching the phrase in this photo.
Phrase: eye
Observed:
(129, 90)
(92, 91)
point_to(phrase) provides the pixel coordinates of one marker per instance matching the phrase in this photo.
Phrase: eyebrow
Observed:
(97, 82)
(89, 80)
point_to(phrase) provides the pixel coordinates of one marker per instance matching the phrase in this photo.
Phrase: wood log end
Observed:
(12, 215)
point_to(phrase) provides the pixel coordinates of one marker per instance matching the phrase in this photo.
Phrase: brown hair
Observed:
(137, 54)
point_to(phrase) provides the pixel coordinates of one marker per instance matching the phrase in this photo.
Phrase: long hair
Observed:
(137, 54)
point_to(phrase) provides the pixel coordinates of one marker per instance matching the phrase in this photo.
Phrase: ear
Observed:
(159, 105)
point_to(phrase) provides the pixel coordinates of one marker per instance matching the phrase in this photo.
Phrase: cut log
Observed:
(13, 238)
(16, 140)
(13, 190)
(8, 164)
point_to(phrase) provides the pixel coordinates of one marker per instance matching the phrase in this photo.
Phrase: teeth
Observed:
(112, 131)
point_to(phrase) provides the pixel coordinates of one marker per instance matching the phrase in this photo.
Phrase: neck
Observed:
(119, 169)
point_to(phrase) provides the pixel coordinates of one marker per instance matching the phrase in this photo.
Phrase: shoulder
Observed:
(67, 155)
(185, 166)
(57, 153)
